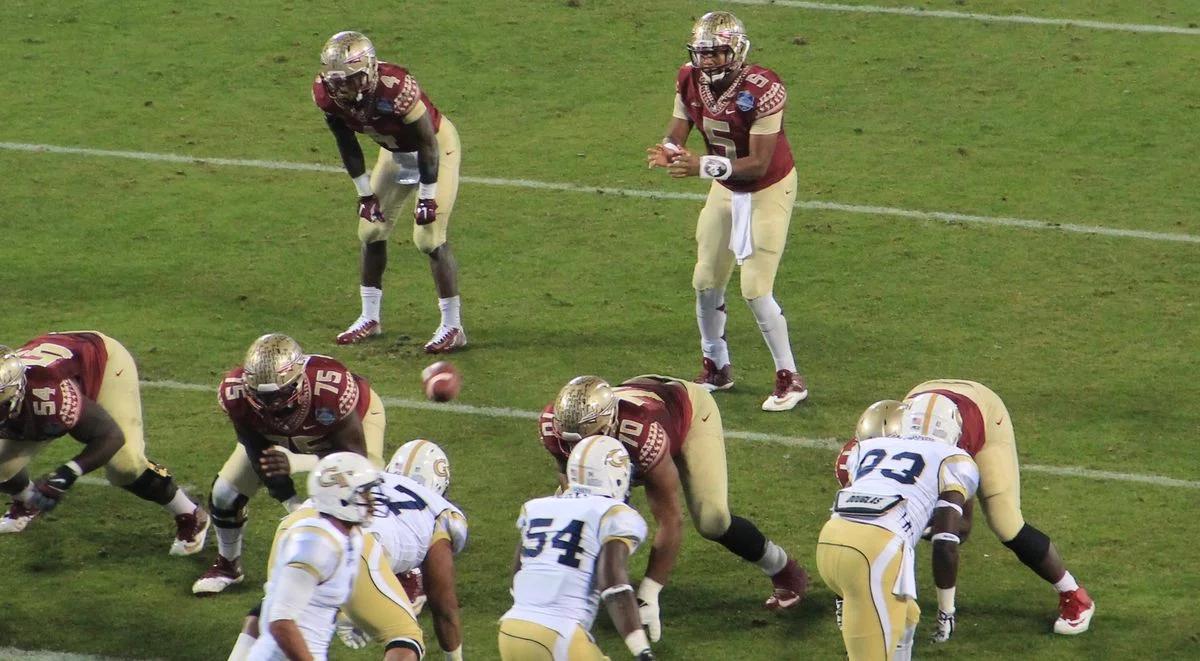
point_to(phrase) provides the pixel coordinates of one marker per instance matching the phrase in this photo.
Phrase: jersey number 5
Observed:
(718, 135)
(567, 539)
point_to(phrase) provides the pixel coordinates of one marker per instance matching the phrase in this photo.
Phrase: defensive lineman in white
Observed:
(866, 549)
(572, 555)
(315, 560)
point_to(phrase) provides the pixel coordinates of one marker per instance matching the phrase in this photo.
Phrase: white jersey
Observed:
(895, 483)
(308, 541)
(417, 517)
(561, 541)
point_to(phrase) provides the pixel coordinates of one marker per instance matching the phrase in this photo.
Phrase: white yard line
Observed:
(870, 210)
(972, 16)
(823, 444)
(45, 655)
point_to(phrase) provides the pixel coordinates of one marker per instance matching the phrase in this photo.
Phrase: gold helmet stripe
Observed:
(928, 414)
(591, 442)
(412, 456)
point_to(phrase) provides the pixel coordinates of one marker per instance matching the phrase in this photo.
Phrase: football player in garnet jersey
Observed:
(84, 384)
(738, 109)
(288, 408)
(419, 152)
(673, 432)
(987, 435)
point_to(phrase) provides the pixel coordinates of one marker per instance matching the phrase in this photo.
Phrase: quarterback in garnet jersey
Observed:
(419, 152)
(84, 384)
(987, 435)
(288, 409)
(738, 109)
(673, 432)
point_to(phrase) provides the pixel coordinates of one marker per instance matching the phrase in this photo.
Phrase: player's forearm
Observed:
(97, 451)
(348, 148)
(447, 627)
(945, 564)
(677, 132)
(291, 643)
(665, 550)
(749, 168)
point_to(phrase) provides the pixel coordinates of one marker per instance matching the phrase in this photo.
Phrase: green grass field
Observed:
(1090, 339)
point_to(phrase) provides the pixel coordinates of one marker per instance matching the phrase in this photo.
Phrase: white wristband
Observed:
(945, 598)
(947, 537)
(427, 191)
(667, 144)
(362, 183)
(715, 167)
(637, 642)
(615, 590)
(455, 654)
(946, 503)
(74, 467)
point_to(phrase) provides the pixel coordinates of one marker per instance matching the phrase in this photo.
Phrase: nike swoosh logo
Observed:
(1000, 421)
(449, 152)
(705, 418)
(119, 373)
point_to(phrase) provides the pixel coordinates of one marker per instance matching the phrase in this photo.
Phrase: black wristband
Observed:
(62, 478)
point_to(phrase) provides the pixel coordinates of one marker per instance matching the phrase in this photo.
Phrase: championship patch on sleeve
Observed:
(745, 101)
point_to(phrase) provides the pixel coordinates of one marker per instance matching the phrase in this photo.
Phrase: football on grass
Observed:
(441, 381)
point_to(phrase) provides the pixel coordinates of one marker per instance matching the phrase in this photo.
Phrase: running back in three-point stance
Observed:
(738, 109)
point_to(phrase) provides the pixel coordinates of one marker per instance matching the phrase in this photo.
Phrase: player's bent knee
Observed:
(426, 240)
(712, 522)
(226, 506)
(372, 232)
(403, 648)
(155, 484)
(1030, 545)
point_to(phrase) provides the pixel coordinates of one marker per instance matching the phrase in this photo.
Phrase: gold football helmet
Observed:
(12, 382)
(883, 418)
(719, 32)
(272, 371)
(349, 69)
(586, 406)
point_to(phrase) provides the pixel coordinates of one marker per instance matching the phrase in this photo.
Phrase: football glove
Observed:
(649, 613)
(50, 489)
(426, 211)
(945, 627)
(352, 636)
(369, 209)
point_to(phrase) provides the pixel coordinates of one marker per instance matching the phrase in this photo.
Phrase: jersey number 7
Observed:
(566, 538)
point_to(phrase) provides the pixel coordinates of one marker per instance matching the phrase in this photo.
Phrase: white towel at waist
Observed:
(407, 172)
(906, 579)
(740, 240)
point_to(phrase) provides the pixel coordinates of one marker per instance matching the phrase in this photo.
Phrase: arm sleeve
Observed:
(622, 522)
(958, 473)
(451, 525)
(293, 588)
(680, 111)
(767, 125)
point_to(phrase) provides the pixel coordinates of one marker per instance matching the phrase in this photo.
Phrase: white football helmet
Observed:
(423, 462)
(12, 382)
(341, 486)
(931, 417)
(600, 465)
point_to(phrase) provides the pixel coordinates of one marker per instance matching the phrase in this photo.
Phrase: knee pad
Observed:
(155, 484)
(766, 311)
(1030, 546)
(406, 643)
(226, 506)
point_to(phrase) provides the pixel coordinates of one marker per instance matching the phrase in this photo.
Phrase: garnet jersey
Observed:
(396, 95)
(654, 415)
(755, 94)
(328, 393)
(60, 370)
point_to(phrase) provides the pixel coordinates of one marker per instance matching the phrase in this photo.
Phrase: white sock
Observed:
(229, 542)
(1066, 583)
(774, 329)
(904, 649)
(710, 317)
(180, 504)
(241, 649)
(450, 312)
(371, 298)
(774, 559)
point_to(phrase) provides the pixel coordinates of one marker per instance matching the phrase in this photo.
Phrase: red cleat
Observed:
(190, 532)
(791, 584)
(790, 390)
(220, 575)
(18, 517)
(712, 379)
(359, 331)
(446, 339)
(1075, 609)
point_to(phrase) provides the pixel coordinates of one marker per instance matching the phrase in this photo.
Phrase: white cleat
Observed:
(190, 532)
(790, 390)
(1075, 610)
(17, 518)
(222, 574)
(446, 339)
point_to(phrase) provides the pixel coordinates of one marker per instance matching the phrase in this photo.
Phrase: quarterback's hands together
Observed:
(352, 636)
(369, 209)
(659, 156)
(945, 627)
(684, 164)
(48, 490)
(426, 211)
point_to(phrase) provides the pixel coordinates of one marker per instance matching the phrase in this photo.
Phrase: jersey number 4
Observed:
(566, 539)
(907, 475)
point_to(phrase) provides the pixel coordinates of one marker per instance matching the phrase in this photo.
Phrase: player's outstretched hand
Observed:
(274, 463)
